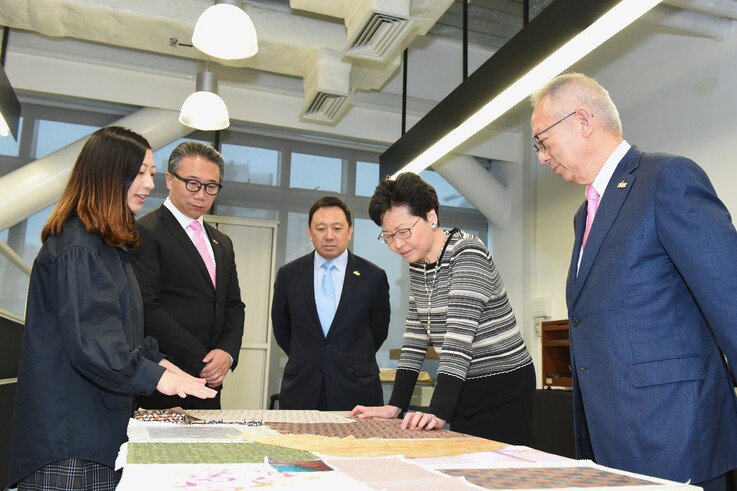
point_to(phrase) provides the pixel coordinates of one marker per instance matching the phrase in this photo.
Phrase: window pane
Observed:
(161, 155)
(13, 288)
(315, 172)
(53, 135)
(447, 194)
(8, 145)
(32, 242)
(151, 203)
(241, 211)
(365, 245)
(298, 243)
(367, 177)
(250, 164)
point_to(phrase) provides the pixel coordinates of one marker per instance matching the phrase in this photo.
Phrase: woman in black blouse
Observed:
(84, 354)
(459, 307)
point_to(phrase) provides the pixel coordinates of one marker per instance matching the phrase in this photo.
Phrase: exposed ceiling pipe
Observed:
(478, 186)
(691, 23)
(39, 184)
(288, 44)
(715, 8)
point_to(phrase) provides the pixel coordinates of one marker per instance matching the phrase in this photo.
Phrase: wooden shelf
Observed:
(559, 381)
(430, 354)
(557, 343)
(556, 355)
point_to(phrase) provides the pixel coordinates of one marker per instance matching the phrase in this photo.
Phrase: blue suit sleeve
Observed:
(696, 231)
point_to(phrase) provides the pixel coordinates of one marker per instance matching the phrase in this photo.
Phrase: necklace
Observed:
(429, 290)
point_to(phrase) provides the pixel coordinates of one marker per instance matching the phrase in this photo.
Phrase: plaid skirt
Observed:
(71, 474)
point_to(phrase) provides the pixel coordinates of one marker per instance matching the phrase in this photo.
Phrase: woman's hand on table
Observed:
(371, 412)
(422, 421)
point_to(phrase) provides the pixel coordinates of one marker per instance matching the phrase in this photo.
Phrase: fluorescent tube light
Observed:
(620, 15)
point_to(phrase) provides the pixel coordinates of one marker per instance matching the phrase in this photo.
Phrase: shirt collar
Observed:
(340, 262)
(183, 219)
(605, 174)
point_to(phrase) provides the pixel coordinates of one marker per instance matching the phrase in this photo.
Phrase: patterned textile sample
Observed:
(545, 478)
(376, 447)
(211, 453)
(395, 474)
(274, 415)
(363, 428)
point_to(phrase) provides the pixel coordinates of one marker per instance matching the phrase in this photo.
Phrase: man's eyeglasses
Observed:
(402, 233)
(539, 146)
(193, 185)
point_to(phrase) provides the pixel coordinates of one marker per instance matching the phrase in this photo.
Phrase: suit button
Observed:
(319, 370)
(574, 321)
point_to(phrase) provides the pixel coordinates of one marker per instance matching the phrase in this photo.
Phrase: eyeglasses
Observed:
(193, 185)
(539, 146)
(402, 233)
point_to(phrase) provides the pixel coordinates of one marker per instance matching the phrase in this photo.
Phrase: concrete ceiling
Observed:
(302, 48)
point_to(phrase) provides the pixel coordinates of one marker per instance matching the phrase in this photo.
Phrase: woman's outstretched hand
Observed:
(375, 412)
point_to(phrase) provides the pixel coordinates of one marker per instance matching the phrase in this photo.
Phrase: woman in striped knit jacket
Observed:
(457, 305)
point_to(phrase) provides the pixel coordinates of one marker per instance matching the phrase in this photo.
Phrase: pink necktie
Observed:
(199, 243)
(593, 198)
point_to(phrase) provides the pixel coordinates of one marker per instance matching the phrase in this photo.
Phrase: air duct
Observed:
(326, 88)
(714, 8)
(478, 186)
(693, 23)
(39, 184)
(377, 29)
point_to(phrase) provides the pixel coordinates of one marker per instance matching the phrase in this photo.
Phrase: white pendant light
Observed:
(204, 109)
(225, 31)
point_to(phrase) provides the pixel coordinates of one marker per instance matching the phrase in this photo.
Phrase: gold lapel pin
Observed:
(357, 273)
(622, 185)
(215, 241)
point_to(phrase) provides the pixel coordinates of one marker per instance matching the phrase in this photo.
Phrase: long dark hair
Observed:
(97, 189)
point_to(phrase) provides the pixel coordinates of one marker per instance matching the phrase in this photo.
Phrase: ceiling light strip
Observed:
(612, 21)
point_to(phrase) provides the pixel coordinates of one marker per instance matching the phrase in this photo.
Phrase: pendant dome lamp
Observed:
(225, 31)
(204, 109)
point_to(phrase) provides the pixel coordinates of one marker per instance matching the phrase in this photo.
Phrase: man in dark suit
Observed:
(651, 293)
(187, 273)
(332, 363)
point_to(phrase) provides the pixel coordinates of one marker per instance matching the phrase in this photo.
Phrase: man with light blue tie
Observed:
(330, 315)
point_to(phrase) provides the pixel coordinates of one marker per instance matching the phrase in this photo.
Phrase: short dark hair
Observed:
(327, 201)
(97, 190)
(195, 149)
(409, 190)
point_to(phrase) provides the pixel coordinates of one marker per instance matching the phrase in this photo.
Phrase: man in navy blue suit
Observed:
(332, 361)
(651, 294)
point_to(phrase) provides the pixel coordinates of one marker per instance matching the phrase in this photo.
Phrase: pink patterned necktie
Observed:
(593, 204)
(199, 243)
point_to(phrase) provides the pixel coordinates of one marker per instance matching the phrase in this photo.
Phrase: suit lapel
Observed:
(579, 228)
(616, 193)
(176, 230)
(217, 251)
(306, 280)
(350, 281)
